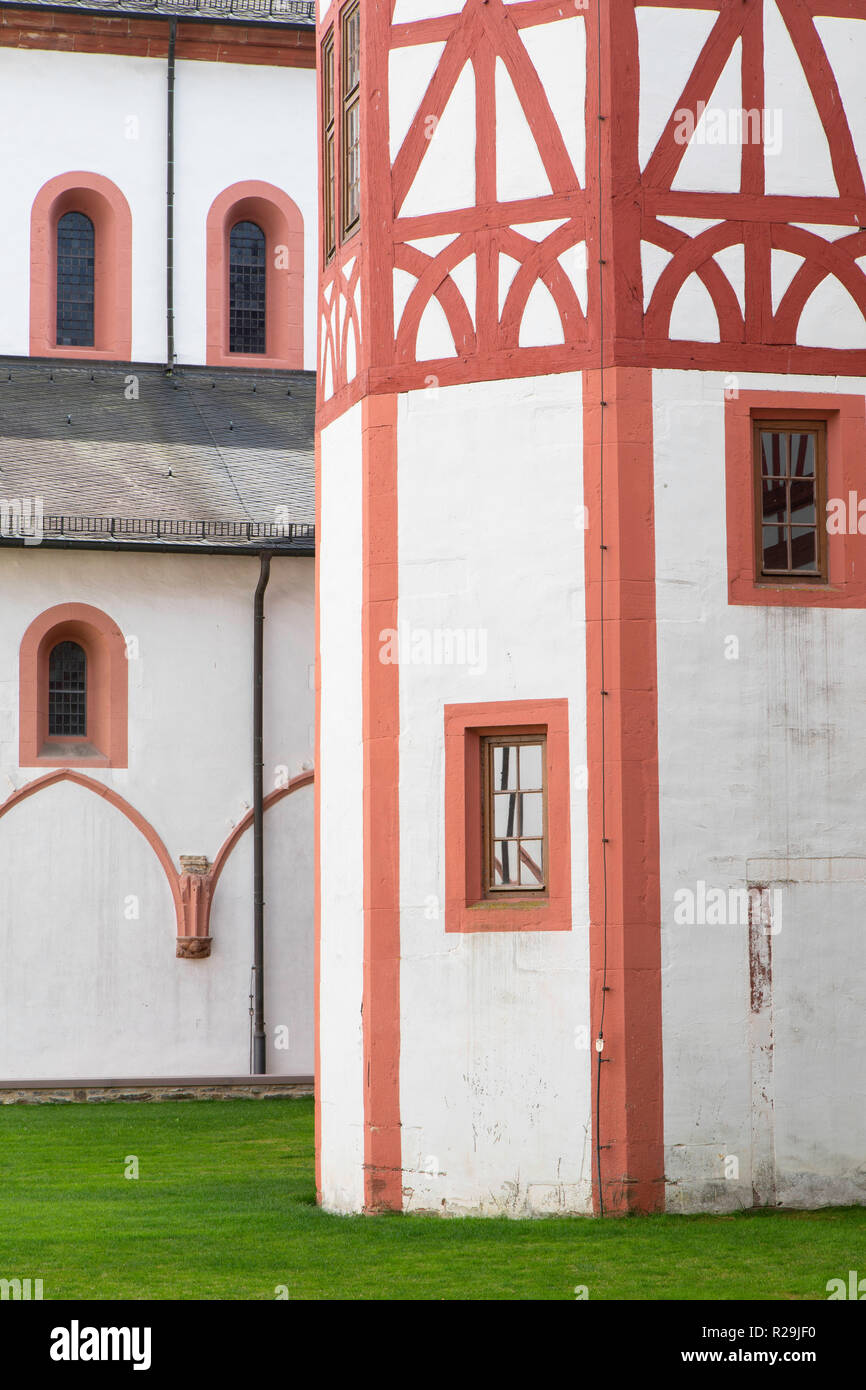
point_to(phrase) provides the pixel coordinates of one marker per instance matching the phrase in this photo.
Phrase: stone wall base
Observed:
(64, 1092)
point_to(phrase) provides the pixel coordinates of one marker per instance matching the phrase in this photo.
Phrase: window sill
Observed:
(220, 357)
(69, 753)
(521, 914)
(765, 593)
(816, 586)
(88, 354)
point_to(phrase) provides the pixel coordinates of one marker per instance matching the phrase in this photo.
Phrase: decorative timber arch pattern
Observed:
(751, 218)
(475, 277)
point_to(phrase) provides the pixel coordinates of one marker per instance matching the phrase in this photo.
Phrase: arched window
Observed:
(247, 288)
(73, 690)
(67, 691)
(255, 278)
(76, 261)
(81, 269)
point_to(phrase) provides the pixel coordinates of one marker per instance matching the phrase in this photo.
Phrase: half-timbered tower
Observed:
(592, 418)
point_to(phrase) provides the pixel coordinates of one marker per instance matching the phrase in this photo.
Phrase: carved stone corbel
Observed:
(195, 895)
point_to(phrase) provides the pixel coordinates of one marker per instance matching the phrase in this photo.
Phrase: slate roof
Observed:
(211, 456)
(297, 13)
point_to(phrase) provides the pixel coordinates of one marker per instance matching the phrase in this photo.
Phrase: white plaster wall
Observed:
(106, 114)
(341, 939)
(237, 121)
(797, 157)
(106, 994)
(65, 111)
(494, 1092)
(760, 758)
(446, 174)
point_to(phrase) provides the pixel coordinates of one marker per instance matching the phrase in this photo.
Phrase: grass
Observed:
(224, 1208)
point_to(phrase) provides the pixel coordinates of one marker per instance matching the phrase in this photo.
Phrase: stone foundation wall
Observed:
(59, 1094)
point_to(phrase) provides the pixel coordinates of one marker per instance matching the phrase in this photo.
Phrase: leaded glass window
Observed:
(75, 277)
(67, 690)
(247, 288)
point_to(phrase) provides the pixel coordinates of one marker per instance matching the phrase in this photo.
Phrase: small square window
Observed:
(790, 500)
(507, 817)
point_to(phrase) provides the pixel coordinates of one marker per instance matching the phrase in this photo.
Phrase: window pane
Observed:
(803, 455)
(75, 275)
(330, 198)
(352, 157)
(504, 766)
(774, 498)
(792, 486)
(775, 548)
(774, 454)
(67, 695)
(351, 52)
(530, 766)
(504, 862)
(247, 288)
(531, 866)
(350, 78)
(505, 814)
(803, 503)
(328, 81)
(532, 813)
(804, 548)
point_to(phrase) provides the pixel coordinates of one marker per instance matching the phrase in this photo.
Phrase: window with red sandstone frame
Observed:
(507, 816)
(73, 690)
(790, 495)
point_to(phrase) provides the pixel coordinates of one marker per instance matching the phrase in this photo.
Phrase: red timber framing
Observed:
(612, 207)
(635, 203)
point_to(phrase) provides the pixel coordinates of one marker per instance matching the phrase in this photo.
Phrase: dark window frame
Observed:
(237, 335)
(67, 704)
(490, 890)
(67, 278)
(788, 425)
(329, 153)
(350, 109)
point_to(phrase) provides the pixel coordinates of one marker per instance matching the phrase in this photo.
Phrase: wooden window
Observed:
(247, 288)
(350, 86)
(328, 152)
(790, 500)
(491, 801)
(514, 809)
(67, 691)
(76, 261)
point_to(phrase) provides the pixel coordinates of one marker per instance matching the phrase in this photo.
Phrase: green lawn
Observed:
(224, 1208)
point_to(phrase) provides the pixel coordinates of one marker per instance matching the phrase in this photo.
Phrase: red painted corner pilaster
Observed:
(622, 752)
(383, 1187)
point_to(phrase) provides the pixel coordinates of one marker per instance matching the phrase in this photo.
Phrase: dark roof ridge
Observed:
(295, 14)
(102, 366)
